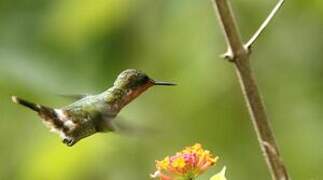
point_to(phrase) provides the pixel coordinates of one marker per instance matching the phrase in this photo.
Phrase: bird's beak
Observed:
(162, 83)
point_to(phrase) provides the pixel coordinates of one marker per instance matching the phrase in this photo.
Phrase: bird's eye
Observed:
(145, 79)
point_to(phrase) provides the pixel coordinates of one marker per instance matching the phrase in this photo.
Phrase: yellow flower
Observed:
(164, 163)
(186, 164)
(178, 163)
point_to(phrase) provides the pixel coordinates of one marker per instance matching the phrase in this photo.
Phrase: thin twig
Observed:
(239, 55)
(263, 26)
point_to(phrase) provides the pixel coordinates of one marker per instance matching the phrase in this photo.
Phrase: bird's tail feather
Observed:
(46, 113)
(41, 109)
(30, 105)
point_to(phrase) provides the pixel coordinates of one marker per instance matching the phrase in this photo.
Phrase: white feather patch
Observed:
(67, 122)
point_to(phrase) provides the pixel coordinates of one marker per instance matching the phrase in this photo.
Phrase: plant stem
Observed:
(239, 55)
(264, 24)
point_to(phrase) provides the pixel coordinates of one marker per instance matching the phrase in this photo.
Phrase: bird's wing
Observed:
(128, 128)
(74, 96)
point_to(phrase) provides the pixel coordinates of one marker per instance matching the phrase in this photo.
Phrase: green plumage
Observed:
(93, 113)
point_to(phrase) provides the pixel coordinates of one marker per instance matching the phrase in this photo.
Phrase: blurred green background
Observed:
(79, 46)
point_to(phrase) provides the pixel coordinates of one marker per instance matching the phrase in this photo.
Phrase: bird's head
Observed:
(133, 79)
(135, 82)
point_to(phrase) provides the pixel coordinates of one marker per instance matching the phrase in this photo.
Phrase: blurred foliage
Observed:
(79, 46)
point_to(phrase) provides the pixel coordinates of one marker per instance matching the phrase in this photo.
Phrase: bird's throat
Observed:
(121, 97)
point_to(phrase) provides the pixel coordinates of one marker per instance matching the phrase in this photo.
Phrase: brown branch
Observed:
(239, 55)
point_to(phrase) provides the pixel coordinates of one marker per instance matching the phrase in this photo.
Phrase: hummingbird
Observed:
(93, 113)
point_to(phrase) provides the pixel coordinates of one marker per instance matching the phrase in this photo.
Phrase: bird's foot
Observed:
(69, 141)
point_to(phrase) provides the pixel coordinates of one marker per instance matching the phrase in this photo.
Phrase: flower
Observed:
(186, 164)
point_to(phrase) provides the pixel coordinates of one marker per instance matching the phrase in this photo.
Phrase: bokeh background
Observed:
(79, 46)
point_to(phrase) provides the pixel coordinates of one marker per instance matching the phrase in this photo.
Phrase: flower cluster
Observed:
(187, 164)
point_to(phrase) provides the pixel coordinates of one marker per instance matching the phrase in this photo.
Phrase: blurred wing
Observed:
(74, 96)
(128, 128)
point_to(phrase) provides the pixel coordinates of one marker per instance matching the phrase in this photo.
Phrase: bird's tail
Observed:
(30, 105)
(44, 111)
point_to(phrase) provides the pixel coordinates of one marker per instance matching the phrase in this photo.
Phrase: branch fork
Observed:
(239, 54)
(248, 45)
